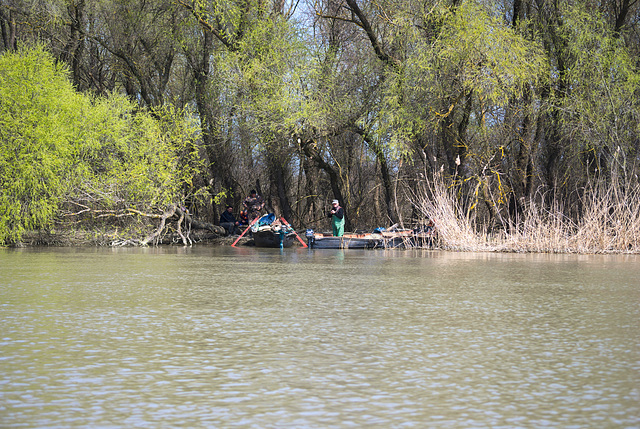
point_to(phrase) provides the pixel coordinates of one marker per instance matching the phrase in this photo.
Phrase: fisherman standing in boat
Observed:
(337, 218)
(254, 204)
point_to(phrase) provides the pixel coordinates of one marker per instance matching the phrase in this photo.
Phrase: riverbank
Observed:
(113, 238)
(452, 241)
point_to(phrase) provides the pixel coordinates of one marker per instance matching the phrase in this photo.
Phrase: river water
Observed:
(259, 338)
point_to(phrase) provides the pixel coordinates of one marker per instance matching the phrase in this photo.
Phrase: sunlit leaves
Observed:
(58, 145)
(36, 127)
(453, 55)
(601, 104)
(487, 56)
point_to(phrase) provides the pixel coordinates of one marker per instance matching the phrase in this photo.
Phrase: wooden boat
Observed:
(379, 239)
(268, 231)
(403, 238)
(271, 232)
(319, 240)
(273, 237)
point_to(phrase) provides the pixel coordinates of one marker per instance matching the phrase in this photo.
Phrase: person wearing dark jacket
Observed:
(337, 218)
(228, 221)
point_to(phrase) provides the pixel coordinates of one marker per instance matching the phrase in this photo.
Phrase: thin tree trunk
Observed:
(310, 149)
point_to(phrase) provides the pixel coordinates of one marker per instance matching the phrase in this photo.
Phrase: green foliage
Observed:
(465, 85)
(486, 56)
(37, 118)
(473, 54)
(266, 64)
(60, 146)
(601, 100)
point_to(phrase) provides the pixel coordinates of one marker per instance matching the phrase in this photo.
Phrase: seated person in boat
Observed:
(430, 232)
(429, 229)
(228, 221)
(243, 218)
(337, 218)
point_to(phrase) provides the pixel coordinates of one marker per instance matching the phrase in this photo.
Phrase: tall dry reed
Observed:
(609, 222)
(456, 230)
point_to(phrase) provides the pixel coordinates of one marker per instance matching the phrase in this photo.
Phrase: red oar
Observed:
(245, 231)
(294, 231)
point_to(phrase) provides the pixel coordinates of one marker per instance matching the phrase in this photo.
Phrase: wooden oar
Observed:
(245, 231)
(294, 231)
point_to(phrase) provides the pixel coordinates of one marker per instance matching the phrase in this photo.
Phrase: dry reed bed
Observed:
(609, 223)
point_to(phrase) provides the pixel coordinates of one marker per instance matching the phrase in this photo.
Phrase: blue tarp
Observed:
(267, 219)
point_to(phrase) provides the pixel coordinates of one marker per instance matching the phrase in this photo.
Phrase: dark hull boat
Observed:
(273, 238)
(271, 232)
(267, 231)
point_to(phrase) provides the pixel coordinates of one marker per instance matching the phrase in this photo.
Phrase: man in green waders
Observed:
(337, 218)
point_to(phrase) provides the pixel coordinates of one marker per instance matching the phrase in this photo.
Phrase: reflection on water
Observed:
(220, 337)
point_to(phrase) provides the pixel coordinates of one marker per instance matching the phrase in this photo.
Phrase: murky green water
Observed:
(223, 337)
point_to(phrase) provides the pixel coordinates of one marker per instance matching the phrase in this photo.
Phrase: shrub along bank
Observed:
(69, 160)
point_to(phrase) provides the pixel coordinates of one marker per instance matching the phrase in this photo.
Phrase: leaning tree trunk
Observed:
(389, 199)
(310, 149)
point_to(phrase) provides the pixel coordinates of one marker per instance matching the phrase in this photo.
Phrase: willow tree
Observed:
(108, 45)
(35, 99)
(65, 151)
(450, 70)
(598, 111)
(340, 114)
(139, 38)
(267, 66)
(240, 54)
